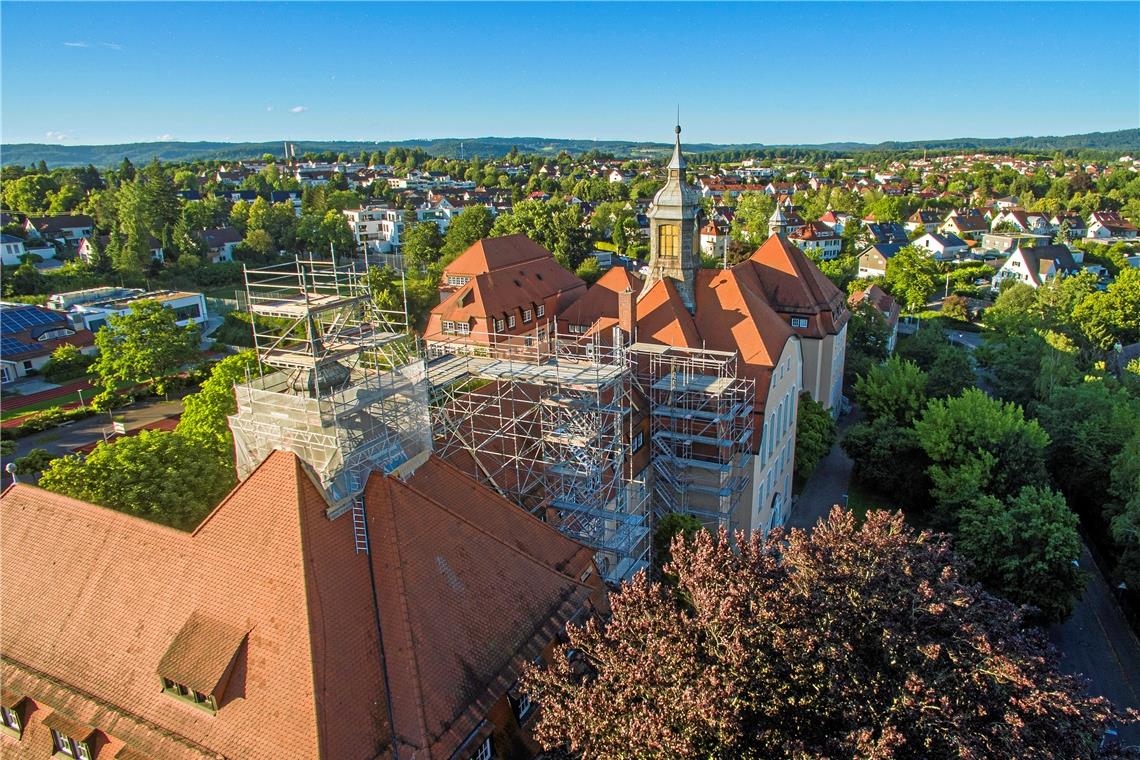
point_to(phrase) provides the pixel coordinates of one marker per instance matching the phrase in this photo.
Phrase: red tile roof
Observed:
(601, 300)
(881, 300)
(792, 284)
(96, 603)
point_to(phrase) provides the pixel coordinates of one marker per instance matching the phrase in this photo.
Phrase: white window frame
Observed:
(528, 315)
(799, 322)
(541, 310)
(484, 751)
(11, 719)
(511, 322)
(500, 325)
(638, 441)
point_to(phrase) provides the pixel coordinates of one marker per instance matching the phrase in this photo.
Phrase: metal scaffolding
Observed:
(340, 381)
(700, 431)
(543, 419)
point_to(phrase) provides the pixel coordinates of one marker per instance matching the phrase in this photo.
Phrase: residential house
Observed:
(714, 239)
(1073, 223)
(93, 313)
(619, 176)
(29, 334)
(818, 239)
(70, 228)
(15, 248)
(943, 247)
(886, 232)
(1035, 222)
(836, 220)
(927, 219)
(379, 228)
(873, 260)
(86, 250)
(886, 305)
(264, 633)
(1037, 266)
(220, 243)
(968, 224)
(501, 291)
(1110, 224)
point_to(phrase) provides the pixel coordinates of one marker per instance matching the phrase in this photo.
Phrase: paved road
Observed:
(1098, 643)
(63, 440)
(825, 488)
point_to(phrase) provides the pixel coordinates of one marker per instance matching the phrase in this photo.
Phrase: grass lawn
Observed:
(860, 499)
(226, 291)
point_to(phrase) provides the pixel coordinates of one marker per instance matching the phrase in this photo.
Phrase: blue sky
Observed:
(93, 73)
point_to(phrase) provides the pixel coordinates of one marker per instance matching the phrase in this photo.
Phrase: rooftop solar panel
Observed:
(17, 319)
(12, 347)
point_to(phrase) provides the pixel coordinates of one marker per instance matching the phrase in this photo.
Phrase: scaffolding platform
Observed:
(338, 383)
(545, 418)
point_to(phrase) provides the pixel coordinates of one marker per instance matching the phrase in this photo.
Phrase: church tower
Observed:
(777, 223)
(674, 231)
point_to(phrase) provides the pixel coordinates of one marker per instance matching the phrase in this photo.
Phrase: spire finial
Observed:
(678, 130)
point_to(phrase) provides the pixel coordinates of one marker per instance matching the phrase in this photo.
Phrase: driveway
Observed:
(827, 485)
(1097, 642)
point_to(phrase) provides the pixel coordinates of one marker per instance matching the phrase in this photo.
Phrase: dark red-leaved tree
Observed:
(848, 642)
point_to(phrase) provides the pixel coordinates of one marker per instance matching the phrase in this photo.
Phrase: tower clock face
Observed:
(668, 241)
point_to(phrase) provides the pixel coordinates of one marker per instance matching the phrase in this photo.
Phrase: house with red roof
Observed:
(885, 304)
(501, 291)
(263, 633)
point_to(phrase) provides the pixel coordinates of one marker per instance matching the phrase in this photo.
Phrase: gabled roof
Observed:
(60, 222)
(663, 318)
(468, 587)
(733, 315)
(881, 300)
(601, 300)
(220, 236)
(792, 284)
(490, 254)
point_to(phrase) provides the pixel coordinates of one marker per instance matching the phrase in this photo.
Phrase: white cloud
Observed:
(298, 109)
(269, 108)
(56, 136)
(164, 138)
(75, 44)
(112, 45)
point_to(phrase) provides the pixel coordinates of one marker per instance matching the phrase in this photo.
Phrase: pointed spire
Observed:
(678, 161)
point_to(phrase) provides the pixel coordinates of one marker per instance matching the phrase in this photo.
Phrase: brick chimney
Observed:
(627, 312)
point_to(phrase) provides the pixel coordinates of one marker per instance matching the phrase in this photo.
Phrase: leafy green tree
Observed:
(979, 446)
(1024, 550)
(912, 277)
(422, 245)
(846, 641)
(67, 363)
(157, 475)
(1123, 511)
(1023, 367)
(868, 335)
(471, 225)
(33, 462)
(951, 373)
(1112, 316)
(30, 194)
(554, 225)
(895, 389)
(1089, 425)
(146, 344)
(1014, 310)
(26, 280)
(589, 270)
(815, 435)
(204, 418)
(889, 460)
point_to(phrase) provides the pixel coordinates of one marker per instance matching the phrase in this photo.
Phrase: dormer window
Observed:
(799, 322)
(69, 738)
(12, 715)
(205, 701)
(511, 321)
(527, 315)
(541, 310)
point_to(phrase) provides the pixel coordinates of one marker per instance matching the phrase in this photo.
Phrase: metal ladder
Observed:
(359, 523)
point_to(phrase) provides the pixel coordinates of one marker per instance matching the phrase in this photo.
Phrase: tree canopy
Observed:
(850, 641)
(145, 344)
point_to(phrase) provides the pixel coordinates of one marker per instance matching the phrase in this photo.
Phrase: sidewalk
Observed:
(827, 485)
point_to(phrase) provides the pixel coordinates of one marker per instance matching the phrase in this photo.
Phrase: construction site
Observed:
(596, 435)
